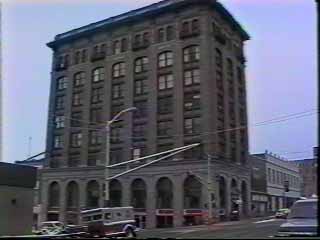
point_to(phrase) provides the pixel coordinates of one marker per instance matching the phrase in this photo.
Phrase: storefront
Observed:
(164, 218)
(193, 217)
(140, 217)
(259, 205)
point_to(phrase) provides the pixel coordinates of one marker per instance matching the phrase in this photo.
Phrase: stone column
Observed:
(82, 197)
(101, 193)
(248, 201)
(151, 203)
(228, 196)
(63, 204)
(178, 200)
(126, 192)
(43, 201)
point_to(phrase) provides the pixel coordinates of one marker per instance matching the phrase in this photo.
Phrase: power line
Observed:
(241, 127)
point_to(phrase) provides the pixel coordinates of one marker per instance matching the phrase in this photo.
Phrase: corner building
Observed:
(181, 63)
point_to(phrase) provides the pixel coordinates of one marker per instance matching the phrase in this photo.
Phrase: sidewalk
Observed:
(219, 224)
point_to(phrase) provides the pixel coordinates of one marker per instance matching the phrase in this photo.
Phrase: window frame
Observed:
(164, 81)
(98, 74)
(119, 70)
(194, 78)
(191, 54)
(165, 59)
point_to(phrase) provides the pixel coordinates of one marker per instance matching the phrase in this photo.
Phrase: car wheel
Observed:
(130, 233)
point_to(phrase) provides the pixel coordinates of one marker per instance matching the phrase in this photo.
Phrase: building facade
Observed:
(259, 194)
(279, 171)
(309, 172)
(38, 164)
(16, 199)
(181, 64)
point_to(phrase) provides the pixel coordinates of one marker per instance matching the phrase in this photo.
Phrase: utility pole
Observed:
(209, 190)
(318, 44)
(108, 129)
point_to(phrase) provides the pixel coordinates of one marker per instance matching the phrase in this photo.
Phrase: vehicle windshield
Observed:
(304, 210)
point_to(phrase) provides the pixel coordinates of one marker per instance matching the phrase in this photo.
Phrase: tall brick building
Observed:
(181, 64)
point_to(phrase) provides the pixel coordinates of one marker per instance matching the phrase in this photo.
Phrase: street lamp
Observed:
(108, 127)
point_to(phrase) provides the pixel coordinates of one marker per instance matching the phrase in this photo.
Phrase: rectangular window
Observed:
(191, 54)
(95, 137)
(165, 105)
(74, 161)
(115, 109)
(139, 131)
(141, 64)
(165, 59)
(273, 176)
(62, 83)
(58, 141)
(79, 79)
(142, 109)
(192, 101)
(98, 74)
(161, 35)
(192, 125)
(93, 159)
(165, 128)
(59, 121)
(117, 91)
(164, 147)
(140, 87)
(77, 99)
(269, 175)
(97, 95)
(191, 77)
(116, 155)
(194, 153)
(170, 33)
(136, 153)
(119, 70)
(115, 134)
(165, 82)
(76, 139)
(96, 115)
(60, 102)
(76, 119)
(116, 47)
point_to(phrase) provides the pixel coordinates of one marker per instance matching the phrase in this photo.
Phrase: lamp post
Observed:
(318, 44)
(108, 128)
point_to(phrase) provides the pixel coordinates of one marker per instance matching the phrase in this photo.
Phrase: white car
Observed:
(51, 228)
(302, 220)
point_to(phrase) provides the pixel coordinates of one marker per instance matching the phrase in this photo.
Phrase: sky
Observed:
(281, 68)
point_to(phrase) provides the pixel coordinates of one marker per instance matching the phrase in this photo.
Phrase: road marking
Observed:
(264, 221)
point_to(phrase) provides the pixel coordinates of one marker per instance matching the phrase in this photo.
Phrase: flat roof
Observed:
(16, 175)
(138, 14)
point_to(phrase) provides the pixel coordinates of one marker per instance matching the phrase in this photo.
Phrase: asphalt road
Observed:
(253, 228)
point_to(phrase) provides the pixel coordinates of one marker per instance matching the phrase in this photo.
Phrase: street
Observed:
(253, 228)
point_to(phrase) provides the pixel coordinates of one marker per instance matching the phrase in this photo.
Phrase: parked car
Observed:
(110, 222)
(51, 228)
(282, 213)
(234, 216)
(302, 220)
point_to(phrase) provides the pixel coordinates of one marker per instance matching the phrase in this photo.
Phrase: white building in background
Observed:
(278, 171)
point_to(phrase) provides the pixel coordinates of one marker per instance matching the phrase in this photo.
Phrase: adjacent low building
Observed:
(270, 173)
(309, 172)
(38, 163)
(16, 198)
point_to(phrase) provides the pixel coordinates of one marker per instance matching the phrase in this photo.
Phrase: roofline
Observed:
(135, 15)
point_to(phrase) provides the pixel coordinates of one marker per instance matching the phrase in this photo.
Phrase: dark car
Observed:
(302, 220)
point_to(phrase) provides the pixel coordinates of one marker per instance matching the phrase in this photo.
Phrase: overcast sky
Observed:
(281, 67)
